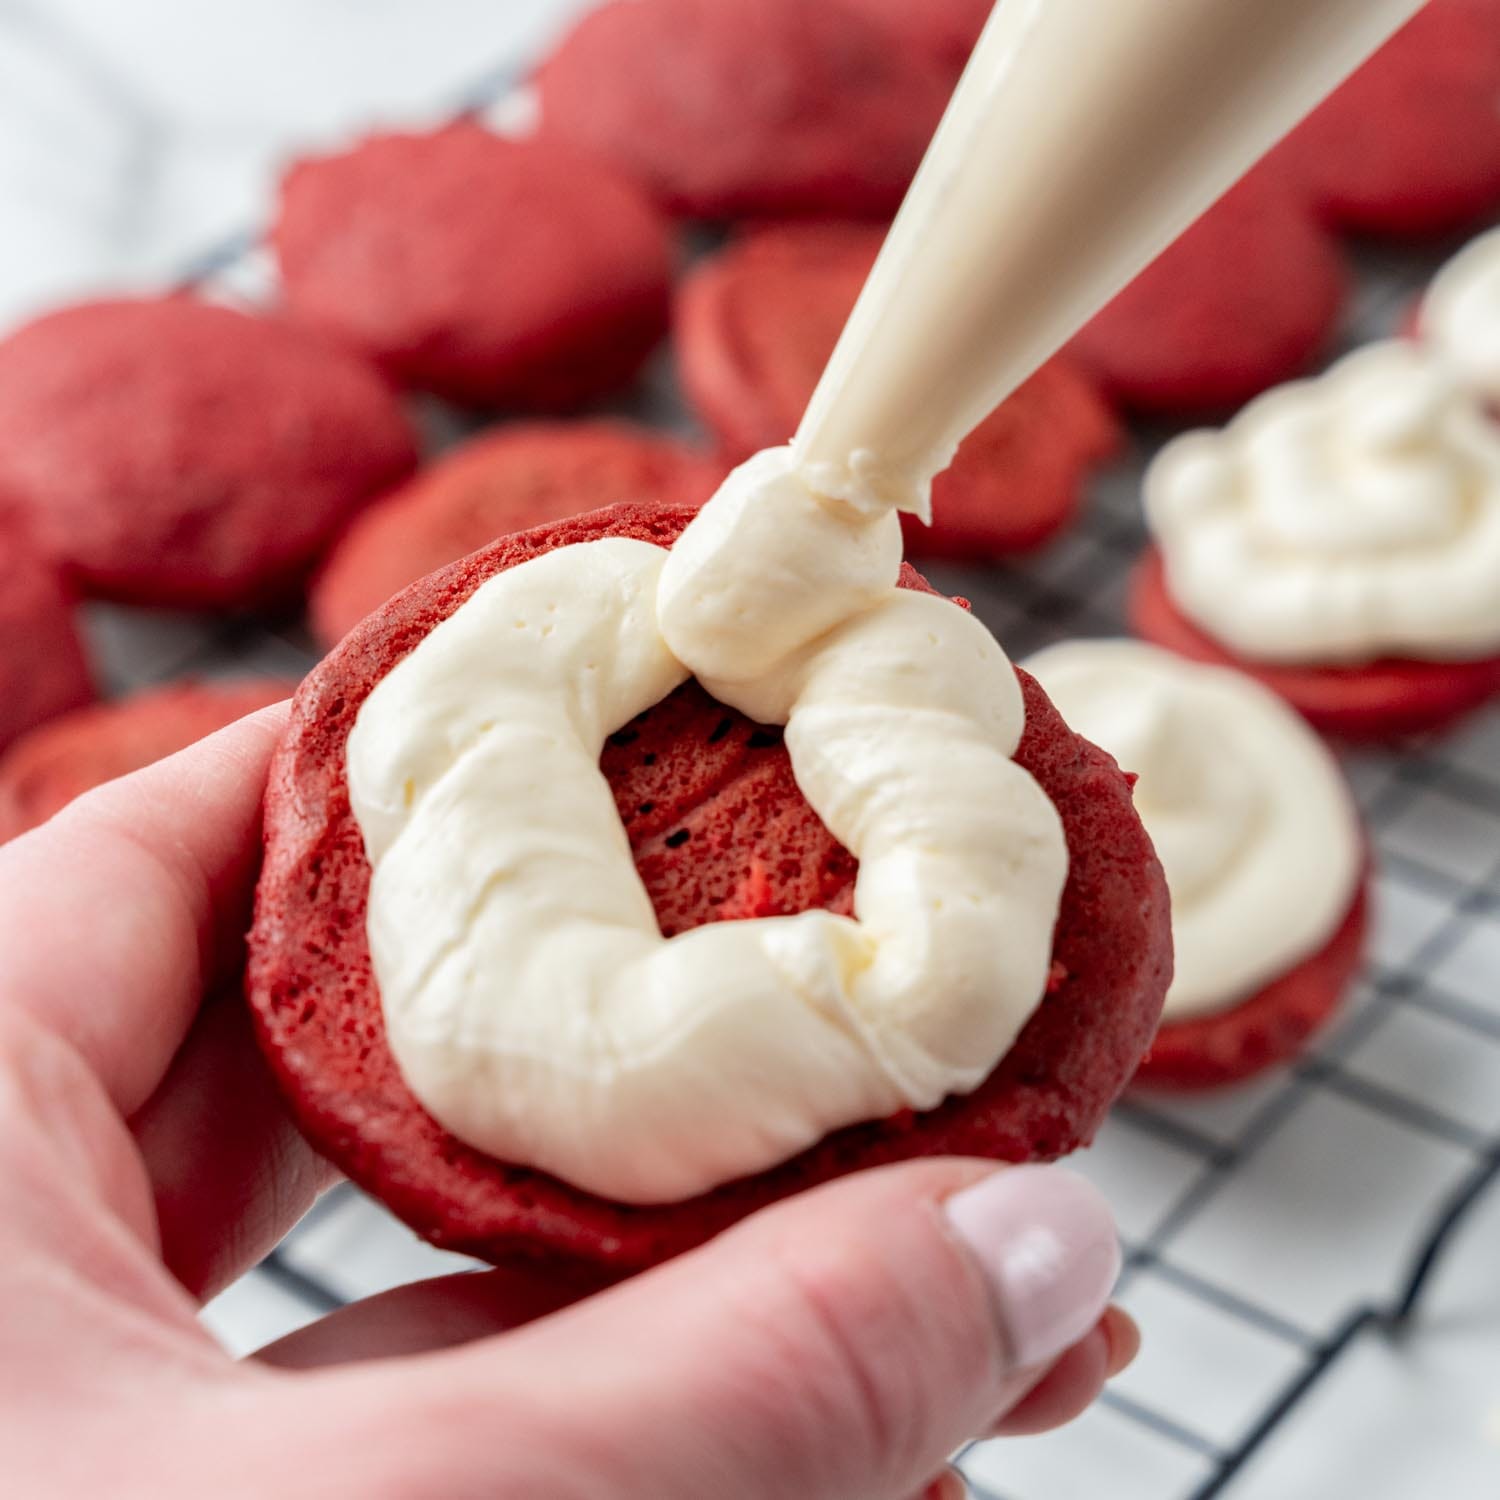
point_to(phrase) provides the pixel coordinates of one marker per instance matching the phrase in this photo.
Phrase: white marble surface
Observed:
(135, 132)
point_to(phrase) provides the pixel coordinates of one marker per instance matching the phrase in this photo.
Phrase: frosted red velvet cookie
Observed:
(755, 327)
(1263, 850)
(745, 111)
(1410, 144)
(1248, 296)
(1340, 541)
(175, 453)
(718, 831)
(507, 480)
(46, 769)
(42, 668)
(492, 271)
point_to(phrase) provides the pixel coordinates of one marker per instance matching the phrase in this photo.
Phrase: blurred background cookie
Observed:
(1250, 295)
(42, 668)
(757, 322)
(945, 30)
(745, 111)
(166, 451)
(513, 478)
(1410, 144)
(492, 271)
(45, 770)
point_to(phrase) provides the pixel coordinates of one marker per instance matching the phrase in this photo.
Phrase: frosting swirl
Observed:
(530, 999)
(1340, 519)
(1461, 314)
(1248, 810)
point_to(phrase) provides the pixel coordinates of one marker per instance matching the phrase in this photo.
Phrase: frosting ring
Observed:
(496, 850)
(1340, 520)
(1248, 809)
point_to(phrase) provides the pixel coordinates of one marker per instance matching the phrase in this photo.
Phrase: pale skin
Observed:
(835, 1347)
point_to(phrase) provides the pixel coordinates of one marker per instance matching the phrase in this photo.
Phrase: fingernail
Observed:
(1046, 1242)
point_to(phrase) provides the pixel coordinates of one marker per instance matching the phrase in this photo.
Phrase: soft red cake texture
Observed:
(1410, 144)
(1273, 1026)
(42, 668)
(1249, 296)
(724, 111)
(944, 30)
(506, 480)
(46, 769)
(495, 272)
(720, 831)
(172, 452)
(755, 326)
(1380, 700)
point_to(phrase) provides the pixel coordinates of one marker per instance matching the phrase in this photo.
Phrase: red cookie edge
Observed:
(1381, 700)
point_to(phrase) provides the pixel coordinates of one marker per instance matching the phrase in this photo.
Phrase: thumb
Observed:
(835, 1347)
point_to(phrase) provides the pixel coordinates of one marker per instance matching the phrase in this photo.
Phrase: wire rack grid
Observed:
(1213, 1194)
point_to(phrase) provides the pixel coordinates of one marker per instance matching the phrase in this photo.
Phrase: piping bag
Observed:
(1083, 138)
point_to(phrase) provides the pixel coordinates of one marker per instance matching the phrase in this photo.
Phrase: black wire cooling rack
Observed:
(1431, 807)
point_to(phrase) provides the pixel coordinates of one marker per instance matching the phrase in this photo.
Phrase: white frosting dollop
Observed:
(1461, 314)
(1340, 519)
(1248, 810)
(530, 999)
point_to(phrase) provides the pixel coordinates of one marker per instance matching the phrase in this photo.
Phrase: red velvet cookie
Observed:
(492, 271)
(42, 668)
(758, 110)
(757, 323)
(46, 769)
(503, 481)
(1250, 295)
(944, 30)
(1410, 144)
(719, 831)
(1376, 701)
(1273, 1026)
(175, 453)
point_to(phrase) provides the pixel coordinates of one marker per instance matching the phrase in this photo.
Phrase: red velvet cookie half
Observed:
(492, 271)
(46, 769)
(766, 110)
(755, 327)
(1379, 700)
(719, 831)
(944, 30)
(42, 668)
(1410, 144)
(1250, 295)
(171, 452)
(509, 479)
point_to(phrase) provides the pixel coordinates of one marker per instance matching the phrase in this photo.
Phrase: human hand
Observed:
(834, 1347)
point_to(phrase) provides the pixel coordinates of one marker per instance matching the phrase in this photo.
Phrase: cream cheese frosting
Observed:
(1461, 314)
(1340, 519)
(1248, 810)
(530, 999)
